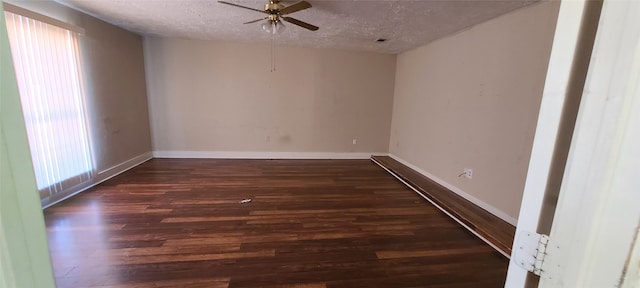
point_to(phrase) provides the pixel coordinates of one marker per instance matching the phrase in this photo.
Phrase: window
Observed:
(47, 68)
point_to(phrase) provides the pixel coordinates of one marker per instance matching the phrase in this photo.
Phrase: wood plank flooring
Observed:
(490, 227)
(311, 223)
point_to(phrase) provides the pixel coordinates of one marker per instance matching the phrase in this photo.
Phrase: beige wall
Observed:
(215, 96)
(114, 78)
(472, 100)
(117, 93)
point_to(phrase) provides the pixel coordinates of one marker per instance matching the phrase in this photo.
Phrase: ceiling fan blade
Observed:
(257, 20)
(295, 7)
(300, 23)
(240, 6)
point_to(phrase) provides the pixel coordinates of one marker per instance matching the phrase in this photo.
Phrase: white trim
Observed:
(124, 166)
(8, 7)
(443, 210)
(263, 155)
(107, 174)
(597, 215)
(489, 208)
(559, 81)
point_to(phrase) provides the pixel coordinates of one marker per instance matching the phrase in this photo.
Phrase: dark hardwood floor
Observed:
(311, 223)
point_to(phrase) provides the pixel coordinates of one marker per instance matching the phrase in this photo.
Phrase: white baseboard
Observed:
(262, 155)
(113, 171)
(105, 175)
(489, 208)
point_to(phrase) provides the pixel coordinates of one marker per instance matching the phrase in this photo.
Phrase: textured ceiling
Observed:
(344, 24)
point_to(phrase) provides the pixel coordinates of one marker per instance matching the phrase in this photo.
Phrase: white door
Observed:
(598, 209)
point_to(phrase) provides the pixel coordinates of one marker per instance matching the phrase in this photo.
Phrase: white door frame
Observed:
(598, 210)
(556, 85)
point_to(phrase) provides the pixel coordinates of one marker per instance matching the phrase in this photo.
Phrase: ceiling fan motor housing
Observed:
(273, 7)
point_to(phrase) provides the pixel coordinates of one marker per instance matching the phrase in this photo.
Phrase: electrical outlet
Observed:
(354, 141)
(468, 173)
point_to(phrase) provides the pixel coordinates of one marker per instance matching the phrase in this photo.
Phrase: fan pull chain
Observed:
(273, 52)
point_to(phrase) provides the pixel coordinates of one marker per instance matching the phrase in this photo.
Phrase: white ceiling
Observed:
(344, 24)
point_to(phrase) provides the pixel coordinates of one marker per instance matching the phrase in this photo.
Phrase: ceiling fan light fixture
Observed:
(273, 27)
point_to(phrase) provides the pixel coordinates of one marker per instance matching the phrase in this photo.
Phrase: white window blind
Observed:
(47, 67)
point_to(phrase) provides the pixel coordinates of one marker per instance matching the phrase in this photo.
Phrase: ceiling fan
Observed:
(276, 14)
